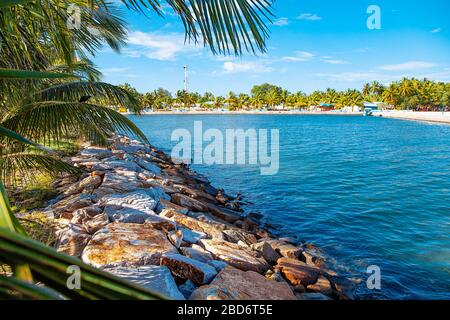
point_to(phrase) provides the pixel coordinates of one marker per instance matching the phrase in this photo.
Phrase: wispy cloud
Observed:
(114, 70)
(437, 30)
(309, 17)
(335, 61)
(246, 67)
(300, 56)
(408, 66)
(157, 46)
(282, 22)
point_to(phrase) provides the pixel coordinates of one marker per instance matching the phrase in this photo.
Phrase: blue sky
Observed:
(314, 44)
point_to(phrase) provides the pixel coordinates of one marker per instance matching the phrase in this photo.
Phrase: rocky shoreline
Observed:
(136, 214)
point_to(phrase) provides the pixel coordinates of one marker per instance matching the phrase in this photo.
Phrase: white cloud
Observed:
(246, 67)
(300, 56)
(281, 22)
(309, 17)
(437, 30)
(408, 66)
(157, 46)
(335, 61)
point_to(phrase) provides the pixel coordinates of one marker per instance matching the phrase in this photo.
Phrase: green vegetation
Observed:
(50, 92)
(412, 94)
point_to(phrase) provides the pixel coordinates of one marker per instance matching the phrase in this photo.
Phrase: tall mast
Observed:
(186, 87)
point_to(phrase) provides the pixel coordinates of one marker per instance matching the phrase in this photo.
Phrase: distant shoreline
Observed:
(333, 113)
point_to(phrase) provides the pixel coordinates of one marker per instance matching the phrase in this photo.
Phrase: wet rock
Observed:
(223, 213)
(322, 285)
(344, 288)
(187, 288)
(194, 193)
(285, 249)
(235, 235)
(240, 257)
(127, 244)
(267, 252)
(187, 268)
(298, 272)
(190, 203)
(155, 278)
(176, 238)
(198, 253)
(234, 284)
(192, 223)
(312, 296)
(72, 240)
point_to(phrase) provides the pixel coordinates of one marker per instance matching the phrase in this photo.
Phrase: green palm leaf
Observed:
(50, 268)
(53, 121)
(10, 3)
(27, 74)
(25, 165)
(226, 26)
(73, 91)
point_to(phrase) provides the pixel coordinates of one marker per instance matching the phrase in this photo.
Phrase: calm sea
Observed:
(366, 191)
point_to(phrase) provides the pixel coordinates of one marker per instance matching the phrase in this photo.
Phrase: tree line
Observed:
(411, 94)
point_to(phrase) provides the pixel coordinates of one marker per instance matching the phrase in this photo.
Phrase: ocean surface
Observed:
(366, 191)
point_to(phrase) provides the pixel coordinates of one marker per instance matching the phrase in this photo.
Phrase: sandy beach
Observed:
(439, 117)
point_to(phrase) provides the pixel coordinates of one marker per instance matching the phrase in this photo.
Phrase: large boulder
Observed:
(269, 253)
(234, 284)
(148, 166)
(87, 185)
(223, 213)
(66, 207)
(285, 249)
(72, 240)
(198, 253)
(127, 244)
(188, 202)
(322, 285)
(95, 152)
(155, 278)
(90, 224)
(235, 255)
(119, 182)
(236, 235)
(192, 223)
(298, 272)
(187, 268)
(139, 200)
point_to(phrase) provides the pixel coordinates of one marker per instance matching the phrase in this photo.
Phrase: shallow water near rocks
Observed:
(366, 191)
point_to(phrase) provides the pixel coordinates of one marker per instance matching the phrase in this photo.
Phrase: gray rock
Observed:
(198, 253)
(267, 251)
(96, 152)
(148, 166)
(311, 296)
(187, 268)
(187, 288)
(192, 236)
(176, 238)
(139, 200)
(154, 278)
(218, 265)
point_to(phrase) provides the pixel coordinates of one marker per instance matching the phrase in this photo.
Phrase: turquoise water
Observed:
(367, 191)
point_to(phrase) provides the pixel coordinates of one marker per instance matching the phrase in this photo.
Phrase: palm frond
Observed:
(226, 26)
(50, 268)
(10, 3)
(73, 91)
(54, 120)
(84, 69)
(28, 74)
(23, 166)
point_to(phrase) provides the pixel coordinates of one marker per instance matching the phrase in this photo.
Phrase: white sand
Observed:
(414, 115)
